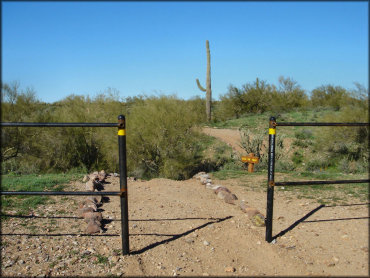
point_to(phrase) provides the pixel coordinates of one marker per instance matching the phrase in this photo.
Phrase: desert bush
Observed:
(349, 143)
(256, 141)
(329, 96)
(162, 141)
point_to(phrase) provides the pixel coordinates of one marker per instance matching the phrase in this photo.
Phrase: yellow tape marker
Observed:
(121, 132)
(272, 131)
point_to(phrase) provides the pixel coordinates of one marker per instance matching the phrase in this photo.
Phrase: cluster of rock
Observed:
(88, 208)
(225, 194)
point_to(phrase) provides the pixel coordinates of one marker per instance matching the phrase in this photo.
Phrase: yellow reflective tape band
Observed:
(121, 132)
(272, 131)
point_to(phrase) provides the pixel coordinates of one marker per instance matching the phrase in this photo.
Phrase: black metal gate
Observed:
(271, 169)
(122, 172)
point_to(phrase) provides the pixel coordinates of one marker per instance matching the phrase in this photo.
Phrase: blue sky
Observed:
(83, 48)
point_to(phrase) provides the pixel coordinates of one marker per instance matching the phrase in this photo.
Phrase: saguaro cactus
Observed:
(208, 84)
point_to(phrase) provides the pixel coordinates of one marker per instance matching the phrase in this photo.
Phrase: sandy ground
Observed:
(181, 228)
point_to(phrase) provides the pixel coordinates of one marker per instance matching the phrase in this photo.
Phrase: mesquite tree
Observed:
(208, 84)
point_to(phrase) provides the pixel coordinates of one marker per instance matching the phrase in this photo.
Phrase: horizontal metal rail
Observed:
(71, 193)
(23, 124)
(321, 124)
(289, 183)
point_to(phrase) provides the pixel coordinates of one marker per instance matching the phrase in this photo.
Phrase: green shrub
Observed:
(161, 140)
(303, 134)
(297, 157)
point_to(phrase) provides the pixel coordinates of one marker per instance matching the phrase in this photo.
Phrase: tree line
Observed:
(163, 140)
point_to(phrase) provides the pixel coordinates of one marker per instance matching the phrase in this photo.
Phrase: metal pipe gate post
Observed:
(271, 181)
(123, 183)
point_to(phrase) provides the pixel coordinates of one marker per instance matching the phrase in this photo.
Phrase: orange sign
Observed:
(250, 159)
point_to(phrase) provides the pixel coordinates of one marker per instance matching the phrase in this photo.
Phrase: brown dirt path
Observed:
(229, 136)
(182, 228)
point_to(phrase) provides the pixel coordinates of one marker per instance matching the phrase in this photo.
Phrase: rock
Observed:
(205, 181)
(230, 269)
(115, 175)
(88, 204)
(86, 178)
(90, 185)
(251, 212)
(206, 243)
(209, 186)
(230, 198)
(258, 220)
(82, 211)
(92, 199)
(92, 227)
(243, 205)
(96, 216)
(227, 197)
(222, 194)
(200, 174)
(222, 188)
(215, 187)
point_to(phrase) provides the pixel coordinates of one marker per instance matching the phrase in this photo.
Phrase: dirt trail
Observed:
(182, 228)
(229, 136)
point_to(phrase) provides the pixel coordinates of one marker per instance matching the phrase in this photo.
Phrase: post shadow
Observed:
(174, 237)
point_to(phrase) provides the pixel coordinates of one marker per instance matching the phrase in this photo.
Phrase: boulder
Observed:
(88, 204)
(96, 216)
(222, 188)
(90, 185)
(86, 178)
(230, 198)
(94, 177)
(215, 187)
(82, 211)
(205, 181)
(209, 185)
(200, 174)
(258, 220)
(93, 227)
(92, 199)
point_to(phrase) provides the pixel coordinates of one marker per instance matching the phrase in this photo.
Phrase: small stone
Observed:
(344, 236)
(134, 226)
(115, 259)
(206, 243)
(259, 242)
(21, 262)
(230, 269)
(205, 274)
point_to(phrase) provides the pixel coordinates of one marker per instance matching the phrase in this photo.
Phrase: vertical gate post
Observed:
(123, 183)
(271, 181)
